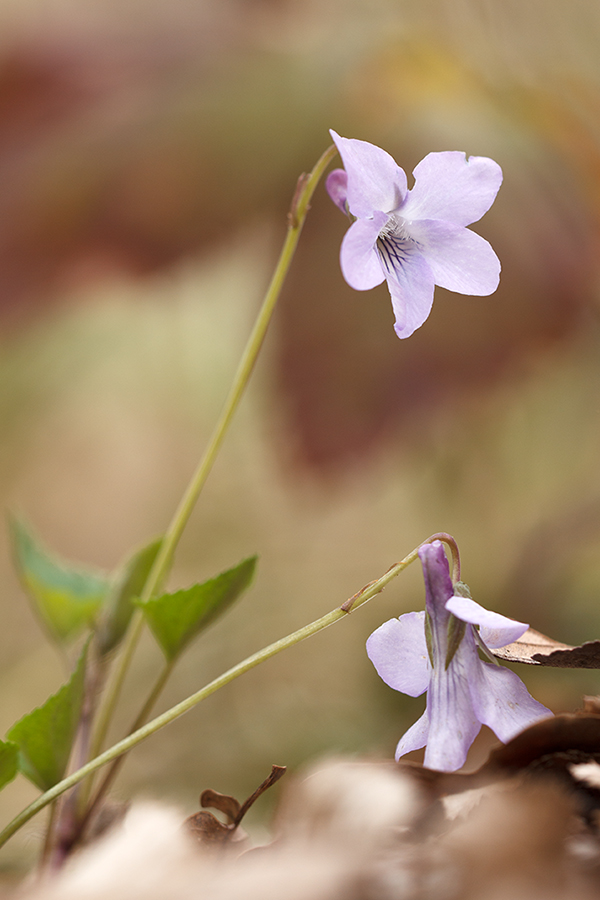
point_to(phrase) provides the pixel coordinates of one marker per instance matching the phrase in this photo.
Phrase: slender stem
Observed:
(296, 218)
(126, 744)
(154, 695)
(299, 208)
(118, 762)
(110, 698)
(47, 848)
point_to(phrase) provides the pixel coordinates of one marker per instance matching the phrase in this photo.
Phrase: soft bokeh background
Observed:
(148, 153)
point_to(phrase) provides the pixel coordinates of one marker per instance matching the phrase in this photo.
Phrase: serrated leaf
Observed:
(45, 735)
(67, 597)
(9, 762)
(119, 606)
(175, 619)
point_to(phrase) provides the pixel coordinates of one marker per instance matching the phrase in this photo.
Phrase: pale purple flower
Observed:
(415, 238)
(463, 692)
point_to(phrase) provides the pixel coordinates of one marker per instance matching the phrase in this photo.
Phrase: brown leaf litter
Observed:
(523, 827)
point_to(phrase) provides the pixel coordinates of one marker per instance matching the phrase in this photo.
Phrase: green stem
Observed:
(110, 698)
(118, 762)
(47, 848)
(132, 740)
(296, 218)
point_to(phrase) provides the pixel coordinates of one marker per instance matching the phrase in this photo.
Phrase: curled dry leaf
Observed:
(211, 831)
(537, 649)
(229, 806)
(552, 749)
(208, 829)
(569, 733)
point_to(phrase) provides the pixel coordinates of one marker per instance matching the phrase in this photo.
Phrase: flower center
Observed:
(394, 244)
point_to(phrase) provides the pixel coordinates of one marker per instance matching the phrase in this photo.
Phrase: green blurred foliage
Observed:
(176, 619)
(45, 735)
(67, 598)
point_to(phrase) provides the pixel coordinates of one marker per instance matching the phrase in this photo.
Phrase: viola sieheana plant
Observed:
(438, 651)
(415, 239)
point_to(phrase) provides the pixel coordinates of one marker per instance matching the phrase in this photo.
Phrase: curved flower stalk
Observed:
(415, 239)
(437, 651)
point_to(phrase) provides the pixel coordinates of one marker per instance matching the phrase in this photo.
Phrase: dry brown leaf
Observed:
(208, 829)
(537, 649)
(550, 749)
(226, 804)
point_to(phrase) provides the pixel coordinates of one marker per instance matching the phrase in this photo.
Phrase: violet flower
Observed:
(415, 239)
(463, 692)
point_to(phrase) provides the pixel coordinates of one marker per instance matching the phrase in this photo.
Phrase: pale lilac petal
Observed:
(496, 630)
(358, 258)
(337, 188)
(375, 180)
(398, 651)
(411, 285)
(415, 738)
(451, 187)
(460, 260)
(503, 703)
(453, 721)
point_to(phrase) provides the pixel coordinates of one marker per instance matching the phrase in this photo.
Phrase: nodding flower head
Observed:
(437, 651)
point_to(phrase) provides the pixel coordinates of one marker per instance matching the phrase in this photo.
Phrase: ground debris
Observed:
(524, 826)
(209, 830)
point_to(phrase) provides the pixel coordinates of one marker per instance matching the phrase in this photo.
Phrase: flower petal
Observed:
(411, 285)
(398, 651)
(415, 738)
(496, 630)
(358, 258)
(460, 260)
(503, 703)
(375, 180)
(451, 187)
(337, 188)
(453, 721)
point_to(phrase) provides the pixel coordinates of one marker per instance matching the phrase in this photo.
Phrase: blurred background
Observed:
(148, 154)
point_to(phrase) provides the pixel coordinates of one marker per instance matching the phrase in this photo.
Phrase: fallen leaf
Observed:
(229, 806)
(551, 748)
(208, 829)
(537, 649)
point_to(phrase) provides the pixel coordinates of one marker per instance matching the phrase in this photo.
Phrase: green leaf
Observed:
(119, 606)
(9, 762)
(67, 597)
(177, 618)
(45, 735)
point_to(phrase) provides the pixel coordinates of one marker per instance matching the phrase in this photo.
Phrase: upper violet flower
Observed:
(415, 238)
(437, 651)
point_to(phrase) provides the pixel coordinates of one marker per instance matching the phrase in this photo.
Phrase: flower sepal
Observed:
(456, 632)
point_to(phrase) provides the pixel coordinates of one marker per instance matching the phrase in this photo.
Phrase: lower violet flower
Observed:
(415, 239)
(437, 651)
